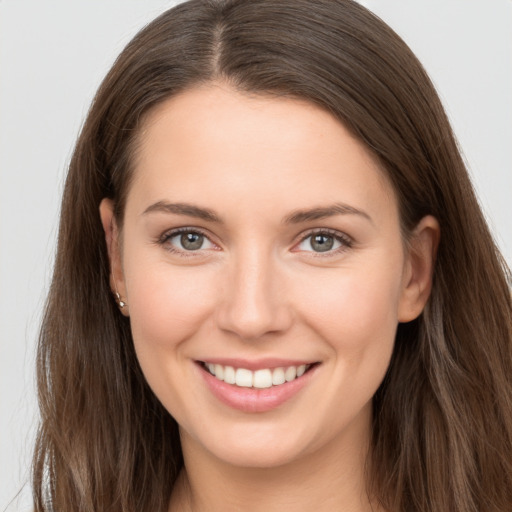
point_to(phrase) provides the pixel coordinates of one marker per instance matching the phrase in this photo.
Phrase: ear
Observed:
(418, 268)
(117, 284)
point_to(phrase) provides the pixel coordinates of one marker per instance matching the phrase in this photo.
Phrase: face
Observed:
(265, 274)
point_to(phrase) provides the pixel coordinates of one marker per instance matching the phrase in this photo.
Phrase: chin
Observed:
(257, 445)
(257, 457)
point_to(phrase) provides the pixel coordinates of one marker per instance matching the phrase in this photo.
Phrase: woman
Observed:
(274, 288)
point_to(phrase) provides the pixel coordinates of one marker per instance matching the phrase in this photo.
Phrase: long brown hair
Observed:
(442, 422)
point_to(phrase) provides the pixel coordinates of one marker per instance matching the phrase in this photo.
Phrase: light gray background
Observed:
(53, 55)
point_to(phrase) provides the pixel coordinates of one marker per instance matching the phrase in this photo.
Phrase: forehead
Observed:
(212, 140)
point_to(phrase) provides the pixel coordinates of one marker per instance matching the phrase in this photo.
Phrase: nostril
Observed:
(253, 323)
(252, 303)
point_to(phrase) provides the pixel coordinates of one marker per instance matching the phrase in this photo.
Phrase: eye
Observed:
(187, 240)
(324, 242)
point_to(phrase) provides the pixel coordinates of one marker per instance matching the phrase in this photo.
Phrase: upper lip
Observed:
(256, 364)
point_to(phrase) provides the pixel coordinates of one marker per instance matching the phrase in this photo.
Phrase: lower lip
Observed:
(254, 399)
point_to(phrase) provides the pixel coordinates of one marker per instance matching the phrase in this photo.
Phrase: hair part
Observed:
(442, 418)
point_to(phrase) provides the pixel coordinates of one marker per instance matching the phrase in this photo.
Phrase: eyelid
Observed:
(345, 241)
(170, 233)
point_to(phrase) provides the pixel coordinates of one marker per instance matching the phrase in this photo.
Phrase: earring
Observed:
(120, 302)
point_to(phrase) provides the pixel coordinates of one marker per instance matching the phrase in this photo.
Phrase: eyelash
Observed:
(345, 241)
(162, 240)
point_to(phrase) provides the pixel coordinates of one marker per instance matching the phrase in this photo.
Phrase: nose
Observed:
(254, 302)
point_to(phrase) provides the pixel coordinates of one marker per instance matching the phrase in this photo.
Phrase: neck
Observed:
(331, 478)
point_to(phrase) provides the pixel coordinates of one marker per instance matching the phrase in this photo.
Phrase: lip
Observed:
(254, 400)
(257, 364)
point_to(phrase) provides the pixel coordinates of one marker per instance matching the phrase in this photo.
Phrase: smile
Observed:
(260, 379)
(264, 388)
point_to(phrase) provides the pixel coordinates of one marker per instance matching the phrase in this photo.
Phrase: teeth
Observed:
(219, 371)
(278, 376)
(243, 378)
(229, 375)
(260, 379)
(290, 373)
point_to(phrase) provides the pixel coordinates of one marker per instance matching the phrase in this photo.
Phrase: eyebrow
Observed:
(324, 212)
(295, 217)
(187, 209)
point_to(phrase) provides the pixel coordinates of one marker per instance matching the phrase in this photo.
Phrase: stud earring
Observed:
(121, 303)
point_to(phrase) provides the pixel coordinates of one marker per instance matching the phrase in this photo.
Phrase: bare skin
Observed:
(335, 473)
(259, 232)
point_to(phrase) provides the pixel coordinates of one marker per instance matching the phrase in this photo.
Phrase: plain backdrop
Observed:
(53, 55)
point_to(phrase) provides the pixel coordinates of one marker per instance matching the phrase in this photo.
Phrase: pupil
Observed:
(191, 241)
(322, 243)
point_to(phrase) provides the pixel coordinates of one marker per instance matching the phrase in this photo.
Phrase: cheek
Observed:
(354, 308)
(167, 304)
(355, 313)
